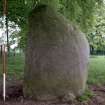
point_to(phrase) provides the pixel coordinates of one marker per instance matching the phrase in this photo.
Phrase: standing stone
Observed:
(56, 56)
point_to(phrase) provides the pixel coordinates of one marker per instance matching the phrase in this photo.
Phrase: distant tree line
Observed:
(96, 36)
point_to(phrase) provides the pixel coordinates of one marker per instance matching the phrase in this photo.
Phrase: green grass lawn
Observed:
(15, 66)
(96, 68)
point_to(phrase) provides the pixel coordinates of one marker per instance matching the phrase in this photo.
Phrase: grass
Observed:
(96, 75)
(15, 66)
(96, 68)
(86, 96)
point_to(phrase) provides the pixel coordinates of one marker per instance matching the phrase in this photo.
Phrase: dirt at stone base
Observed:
(15, 97)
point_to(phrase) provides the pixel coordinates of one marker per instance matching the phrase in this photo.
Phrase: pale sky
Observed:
(11, 30)
(1, 32)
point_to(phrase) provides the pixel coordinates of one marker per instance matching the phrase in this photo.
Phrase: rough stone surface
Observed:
(56, 56)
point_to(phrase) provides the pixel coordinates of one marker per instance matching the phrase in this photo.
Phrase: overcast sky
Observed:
(1, 32)
(12, 29)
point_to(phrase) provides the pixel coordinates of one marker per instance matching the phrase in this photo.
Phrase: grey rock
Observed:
(56, 56)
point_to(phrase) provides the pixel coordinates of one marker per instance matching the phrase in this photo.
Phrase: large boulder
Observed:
(56, 56)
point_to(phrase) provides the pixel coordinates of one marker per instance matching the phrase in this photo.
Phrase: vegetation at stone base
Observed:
(86, 96)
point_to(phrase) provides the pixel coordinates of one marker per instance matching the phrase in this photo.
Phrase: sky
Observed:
(1, 32)
(11, 30)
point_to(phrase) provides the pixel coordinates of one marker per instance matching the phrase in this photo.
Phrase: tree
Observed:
(80, 12)
(96, 36)
(73, 9)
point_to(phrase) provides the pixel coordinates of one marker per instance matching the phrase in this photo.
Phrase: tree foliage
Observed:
(80, 12)
(96, 36)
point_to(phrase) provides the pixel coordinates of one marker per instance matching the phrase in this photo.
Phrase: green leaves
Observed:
(96, 36)
(80, 12)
